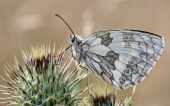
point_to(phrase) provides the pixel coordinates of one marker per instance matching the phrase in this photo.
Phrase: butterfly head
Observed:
(75, 47)
(75, 40)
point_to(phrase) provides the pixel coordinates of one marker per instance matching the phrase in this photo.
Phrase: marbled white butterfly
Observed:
(121, 57)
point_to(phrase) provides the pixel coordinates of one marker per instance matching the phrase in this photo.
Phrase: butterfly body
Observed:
(122, 57)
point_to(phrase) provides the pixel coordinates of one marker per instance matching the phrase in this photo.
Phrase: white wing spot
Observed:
(99, 49)
(96, 42)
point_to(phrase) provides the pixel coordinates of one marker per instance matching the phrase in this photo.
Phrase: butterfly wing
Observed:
(123, 57)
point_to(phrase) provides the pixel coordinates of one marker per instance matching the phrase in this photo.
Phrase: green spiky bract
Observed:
(44, 80)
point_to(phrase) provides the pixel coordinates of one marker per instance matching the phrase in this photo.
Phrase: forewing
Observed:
(124, 57)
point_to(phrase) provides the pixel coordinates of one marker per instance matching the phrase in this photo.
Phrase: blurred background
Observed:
(26, 23)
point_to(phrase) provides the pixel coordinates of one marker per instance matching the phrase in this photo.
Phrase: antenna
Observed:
(65, 22)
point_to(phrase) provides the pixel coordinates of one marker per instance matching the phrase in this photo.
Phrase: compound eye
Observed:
(73, 39)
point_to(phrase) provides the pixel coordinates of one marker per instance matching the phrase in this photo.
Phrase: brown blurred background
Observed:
(24, 23)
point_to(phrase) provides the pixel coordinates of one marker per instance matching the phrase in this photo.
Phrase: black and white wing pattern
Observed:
(123, 57)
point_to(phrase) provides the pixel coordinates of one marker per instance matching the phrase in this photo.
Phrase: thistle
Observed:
(105, 96)
(44, 80)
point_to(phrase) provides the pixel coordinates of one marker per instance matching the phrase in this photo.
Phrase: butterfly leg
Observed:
(87, 77)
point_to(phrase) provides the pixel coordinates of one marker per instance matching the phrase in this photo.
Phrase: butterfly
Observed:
(122, 57)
